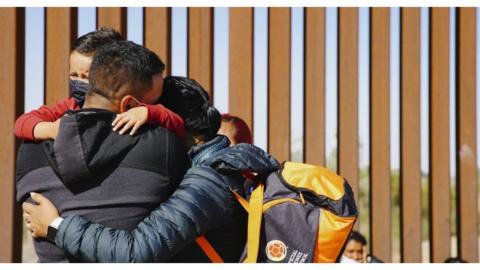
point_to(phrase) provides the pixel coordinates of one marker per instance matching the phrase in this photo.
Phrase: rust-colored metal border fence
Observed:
(60, 31)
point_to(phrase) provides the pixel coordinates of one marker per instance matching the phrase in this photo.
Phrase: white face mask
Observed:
(345, 259)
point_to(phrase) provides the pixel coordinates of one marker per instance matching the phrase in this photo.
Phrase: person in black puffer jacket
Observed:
(203, 204)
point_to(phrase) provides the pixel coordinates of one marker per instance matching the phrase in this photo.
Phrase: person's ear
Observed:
(128, 102)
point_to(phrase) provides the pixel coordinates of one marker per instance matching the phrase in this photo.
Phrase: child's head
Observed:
(85, 47)
(189, 100)
(355, 247)
(235, 129)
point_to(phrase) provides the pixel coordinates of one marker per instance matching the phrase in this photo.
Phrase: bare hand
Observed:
(39, 216)
(131, 119)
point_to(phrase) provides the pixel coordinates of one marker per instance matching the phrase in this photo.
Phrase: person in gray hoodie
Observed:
(92, 171)
(202, 206)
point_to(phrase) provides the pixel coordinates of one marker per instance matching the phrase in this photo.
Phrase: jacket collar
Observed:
(200, 154)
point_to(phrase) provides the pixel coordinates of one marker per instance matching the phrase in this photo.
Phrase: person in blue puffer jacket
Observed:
(202, 205)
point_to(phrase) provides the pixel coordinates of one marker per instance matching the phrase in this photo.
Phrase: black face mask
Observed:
(78, 89)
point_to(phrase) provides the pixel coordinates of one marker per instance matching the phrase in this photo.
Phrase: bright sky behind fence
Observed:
(34, 82)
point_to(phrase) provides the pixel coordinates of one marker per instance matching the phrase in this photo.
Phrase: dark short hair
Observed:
(354, 235)
(189, 100)
(89, 43)
(123, 67)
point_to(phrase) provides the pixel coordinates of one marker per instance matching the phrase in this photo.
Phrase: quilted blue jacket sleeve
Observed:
(200, 203)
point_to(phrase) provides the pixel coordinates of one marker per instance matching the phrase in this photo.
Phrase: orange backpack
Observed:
(299, 214)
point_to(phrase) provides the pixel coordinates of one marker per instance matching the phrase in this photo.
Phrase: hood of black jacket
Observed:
(86, 149)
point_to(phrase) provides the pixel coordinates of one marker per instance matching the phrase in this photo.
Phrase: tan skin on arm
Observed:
(46, 130)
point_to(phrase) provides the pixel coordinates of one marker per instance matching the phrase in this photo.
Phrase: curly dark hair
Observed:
(89, 43)
(189, 100)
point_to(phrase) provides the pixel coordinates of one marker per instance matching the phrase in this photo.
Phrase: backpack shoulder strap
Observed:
(255, 212)
(244, 203)
(254, 223)
(208, 249)
(202, 241)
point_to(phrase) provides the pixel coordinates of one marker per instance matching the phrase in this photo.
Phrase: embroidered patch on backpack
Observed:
(276, 250)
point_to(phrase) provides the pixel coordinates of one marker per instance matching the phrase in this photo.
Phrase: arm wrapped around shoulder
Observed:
(199, 205)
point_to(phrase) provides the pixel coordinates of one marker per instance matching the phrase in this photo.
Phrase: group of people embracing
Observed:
(130, 168)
